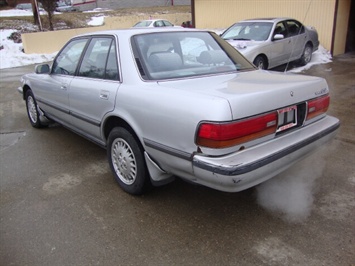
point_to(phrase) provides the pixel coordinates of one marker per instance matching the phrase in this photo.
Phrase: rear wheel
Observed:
(127, 162)
(306, 56)
(260, 62)
(32, 111)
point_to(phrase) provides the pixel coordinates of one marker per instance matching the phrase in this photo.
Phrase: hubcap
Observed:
(123, 161)
(307, 54)
(32, 110)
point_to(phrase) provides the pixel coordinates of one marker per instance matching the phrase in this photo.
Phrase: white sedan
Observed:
(270, 42)
(180, 102)
(153, 23)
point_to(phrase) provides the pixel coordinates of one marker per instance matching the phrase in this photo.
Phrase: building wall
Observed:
(43, 42)
(341, 27)
(317, 13)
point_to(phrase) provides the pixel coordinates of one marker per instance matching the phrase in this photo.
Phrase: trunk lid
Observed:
(254, 92)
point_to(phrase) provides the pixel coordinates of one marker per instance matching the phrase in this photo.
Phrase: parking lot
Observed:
(60, 204)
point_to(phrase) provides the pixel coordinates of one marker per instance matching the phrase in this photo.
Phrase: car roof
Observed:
(152, 19)
(267, 19)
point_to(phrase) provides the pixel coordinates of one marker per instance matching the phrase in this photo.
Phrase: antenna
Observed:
(298, 35)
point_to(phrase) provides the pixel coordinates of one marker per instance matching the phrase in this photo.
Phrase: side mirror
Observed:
(42, 69)
(278, 36)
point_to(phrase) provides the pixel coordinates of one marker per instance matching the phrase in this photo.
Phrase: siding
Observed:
(223, 13)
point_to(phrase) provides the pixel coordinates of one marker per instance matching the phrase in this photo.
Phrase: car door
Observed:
(52, 90)
(298, 38)
(93, 91)
(280, 49)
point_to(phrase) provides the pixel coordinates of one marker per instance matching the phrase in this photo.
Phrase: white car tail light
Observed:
(317, 106)
(222, 135)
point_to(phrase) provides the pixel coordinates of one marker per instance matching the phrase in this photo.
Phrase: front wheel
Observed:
(306, 56)
(127, 163)
(32, 111)
(260, 62)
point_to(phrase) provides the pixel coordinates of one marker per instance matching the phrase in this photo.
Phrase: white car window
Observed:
(94, 61)
(294, 28)
(67, 60)
(280, 29)
(175, 55)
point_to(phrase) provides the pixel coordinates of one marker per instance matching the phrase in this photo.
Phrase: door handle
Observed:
(104, 95)
(64, 87)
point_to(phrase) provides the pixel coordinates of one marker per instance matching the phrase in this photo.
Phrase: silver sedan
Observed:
(272, 42)
(179, 102)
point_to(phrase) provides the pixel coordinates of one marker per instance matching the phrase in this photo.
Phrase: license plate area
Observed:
(287, 118)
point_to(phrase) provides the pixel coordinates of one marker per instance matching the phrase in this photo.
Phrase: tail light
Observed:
(223, 135)
(317, 106)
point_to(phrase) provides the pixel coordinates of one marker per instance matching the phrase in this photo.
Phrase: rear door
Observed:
(93, 91)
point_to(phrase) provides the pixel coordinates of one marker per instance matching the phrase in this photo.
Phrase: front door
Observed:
(54, 88)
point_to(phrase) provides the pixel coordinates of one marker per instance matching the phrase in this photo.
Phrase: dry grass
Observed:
(80, 19)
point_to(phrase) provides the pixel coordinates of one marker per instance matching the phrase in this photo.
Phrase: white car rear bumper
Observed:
(249, 167)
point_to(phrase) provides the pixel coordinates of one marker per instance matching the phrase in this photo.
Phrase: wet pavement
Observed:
(60, 205)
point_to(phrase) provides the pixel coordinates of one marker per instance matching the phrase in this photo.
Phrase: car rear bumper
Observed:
(249, 167)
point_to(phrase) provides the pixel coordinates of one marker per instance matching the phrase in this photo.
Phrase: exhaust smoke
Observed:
(290, 194)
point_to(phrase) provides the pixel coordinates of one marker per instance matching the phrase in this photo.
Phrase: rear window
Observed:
(170, 55)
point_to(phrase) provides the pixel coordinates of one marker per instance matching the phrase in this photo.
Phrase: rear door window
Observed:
(100, 59)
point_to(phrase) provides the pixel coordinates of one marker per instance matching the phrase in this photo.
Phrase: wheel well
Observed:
(24, 91)
(310, 44)
(115, 121)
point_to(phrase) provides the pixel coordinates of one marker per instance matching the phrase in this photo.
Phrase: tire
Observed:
(260, 62)
(127, 162)
(306, 56)
(32, 111)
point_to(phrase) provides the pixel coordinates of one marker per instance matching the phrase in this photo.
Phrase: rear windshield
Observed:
(170, 55)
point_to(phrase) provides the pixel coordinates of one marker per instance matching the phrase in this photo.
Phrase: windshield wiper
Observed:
(241, 39)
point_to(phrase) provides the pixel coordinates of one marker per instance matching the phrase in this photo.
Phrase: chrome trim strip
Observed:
(53, 106)
(67, 111)
(86, 119)
(169, 150)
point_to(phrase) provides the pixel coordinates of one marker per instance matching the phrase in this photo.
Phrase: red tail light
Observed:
(317, 106)
(222, 135)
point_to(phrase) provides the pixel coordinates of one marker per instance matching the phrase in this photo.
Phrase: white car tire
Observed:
(127, 161)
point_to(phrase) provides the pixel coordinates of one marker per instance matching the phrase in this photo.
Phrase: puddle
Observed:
(9, 139)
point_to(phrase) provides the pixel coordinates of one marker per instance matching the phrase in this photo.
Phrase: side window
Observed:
(66, 62)
(294, 28)
(167, 23)
(96, 58)
(111, 68)
(159, 23)
(280, 29)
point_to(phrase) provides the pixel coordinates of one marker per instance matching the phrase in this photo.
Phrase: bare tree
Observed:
(49, 6)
